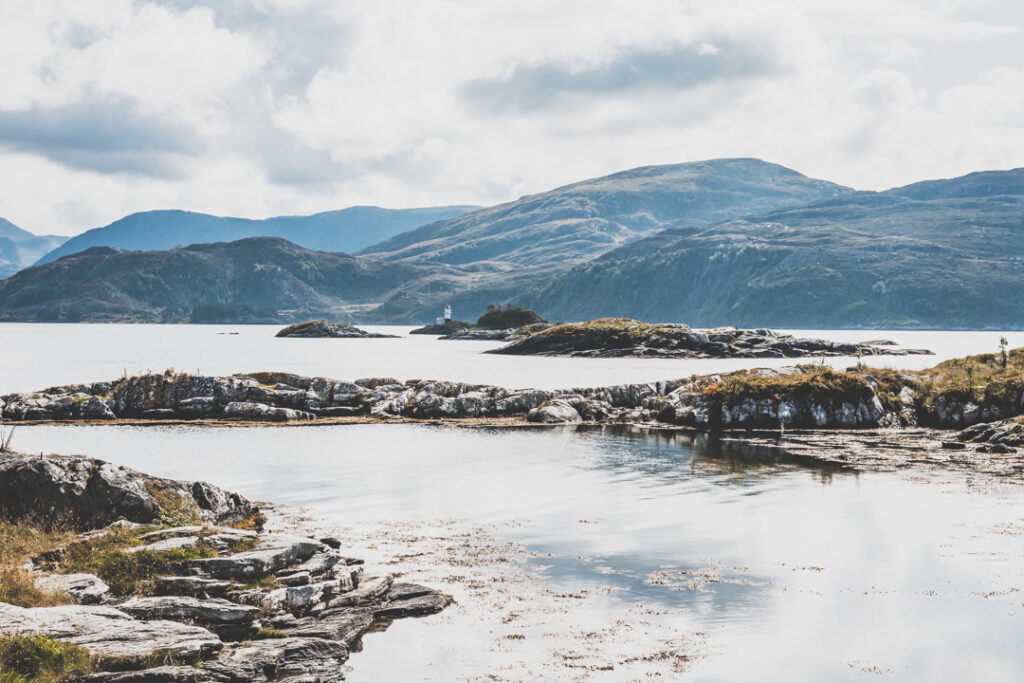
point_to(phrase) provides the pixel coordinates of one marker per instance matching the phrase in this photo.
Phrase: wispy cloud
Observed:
(679, 67)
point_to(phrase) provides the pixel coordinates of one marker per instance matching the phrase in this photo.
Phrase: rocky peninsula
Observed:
(625, 338)
(109, 575)
(324, 328)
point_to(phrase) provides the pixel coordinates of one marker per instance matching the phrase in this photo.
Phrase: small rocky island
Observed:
(497, 324)
(109, 575)
(324, 328)
(625, 338)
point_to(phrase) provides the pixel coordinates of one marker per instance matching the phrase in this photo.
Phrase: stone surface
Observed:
(556, 411)
(276, 551)
(109, 634)
(86, 493)
(84, 589)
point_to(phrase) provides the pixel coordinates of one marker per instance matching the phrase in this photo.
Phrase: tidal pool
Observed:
(621, 553)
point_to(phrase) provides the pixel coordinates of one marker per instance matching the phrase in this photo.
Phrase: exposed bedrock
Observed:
(807, 396)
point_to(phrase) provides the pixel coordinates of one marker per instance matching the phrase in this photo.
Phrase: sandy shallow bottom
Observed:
(508, 622)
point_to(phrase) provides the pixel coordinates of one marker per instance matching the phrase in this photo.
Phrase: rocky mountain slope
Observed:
(938, 254)
(347, 230)
(19, 248)
(261, 279)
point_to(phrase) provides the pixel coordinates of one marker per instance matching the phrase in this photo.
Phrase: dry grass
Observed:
(813, 382)
(19, 543)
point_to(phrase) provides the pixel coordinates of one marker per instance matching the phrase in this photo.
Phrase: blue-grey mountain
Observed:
(19, 248)
(936, 254)
(347, 230)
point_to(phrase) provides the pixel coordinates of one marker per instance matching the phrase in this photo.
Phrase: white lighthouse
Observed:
(447, 312)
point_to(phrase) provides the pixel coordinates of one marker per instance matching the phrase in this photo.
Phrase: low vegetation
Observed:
(814, 382)
(40, 659)
(112, 558)
(19, 543)
(615, 332)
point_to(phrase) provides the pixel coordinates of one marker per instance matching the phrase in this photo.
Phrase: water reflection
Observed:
(795, 570)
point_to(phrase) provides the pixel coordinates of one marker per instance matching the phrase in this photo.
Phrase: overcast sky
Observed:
(265, 107)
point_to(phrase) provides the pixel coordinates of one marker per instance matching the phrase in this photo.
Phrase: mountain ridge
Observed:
(343, 230)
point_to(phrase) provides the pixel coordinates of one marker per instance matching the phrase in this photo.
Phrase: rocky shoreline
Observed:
(624, 338)
(808, 396)
(235, 604)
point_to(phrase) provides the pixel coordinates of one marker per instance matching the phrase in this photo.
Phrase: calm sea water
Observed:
(813, 573)
(35, 356)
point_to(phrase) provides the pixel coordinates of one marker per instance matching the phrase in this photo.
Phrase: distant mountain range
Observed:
(259, 279)
(347, 230)
(731, 241)
(937, 254)
(19, 248)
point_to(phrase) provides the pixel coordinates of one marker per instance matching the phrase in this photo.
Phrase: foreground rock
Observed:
(262, 607)
(110, 635)
(324, 328)
(621, 337)
(85, 493)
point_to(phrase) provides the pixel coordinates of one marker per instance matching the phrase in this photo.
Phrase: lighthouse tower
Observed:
(447, 312)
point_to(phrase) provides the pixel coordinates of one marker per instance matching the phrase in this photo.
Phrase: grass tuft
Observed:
(41, 659)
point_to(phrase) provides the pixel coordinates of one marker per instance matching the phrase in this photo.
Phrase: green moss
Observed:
(40, 659)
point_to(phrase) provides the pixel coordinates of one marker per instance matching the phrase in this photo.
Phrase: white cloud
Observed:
(289, 106)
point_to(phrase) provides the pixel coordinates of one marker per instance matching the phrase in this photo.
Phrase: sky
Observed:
(267, 107)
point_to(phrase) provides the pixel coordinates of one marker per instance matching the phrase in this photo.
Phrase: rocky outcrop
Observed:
(441, 329)
(807, 396)
(325, 328)
(621, 338)
(85, 493)
(995, 437)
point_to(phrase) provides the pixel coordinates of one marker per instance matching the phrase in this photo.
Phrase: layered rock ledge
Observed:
(621, 337)
(220, 604)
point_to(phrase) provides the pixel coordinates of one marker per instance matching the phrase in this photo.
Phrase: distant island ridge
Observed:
(738, 242)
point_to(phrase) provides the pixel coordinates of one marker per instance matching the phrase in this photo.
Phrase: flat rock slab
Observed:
(84, 589)
(293, 659)
(109, 634)
(185, 608)
(346, 625)
(275, 553)
(412, 600)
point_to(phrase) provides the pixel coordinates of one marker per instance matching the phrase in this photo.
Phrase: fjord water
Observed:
(35, 356)
(793, 571)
